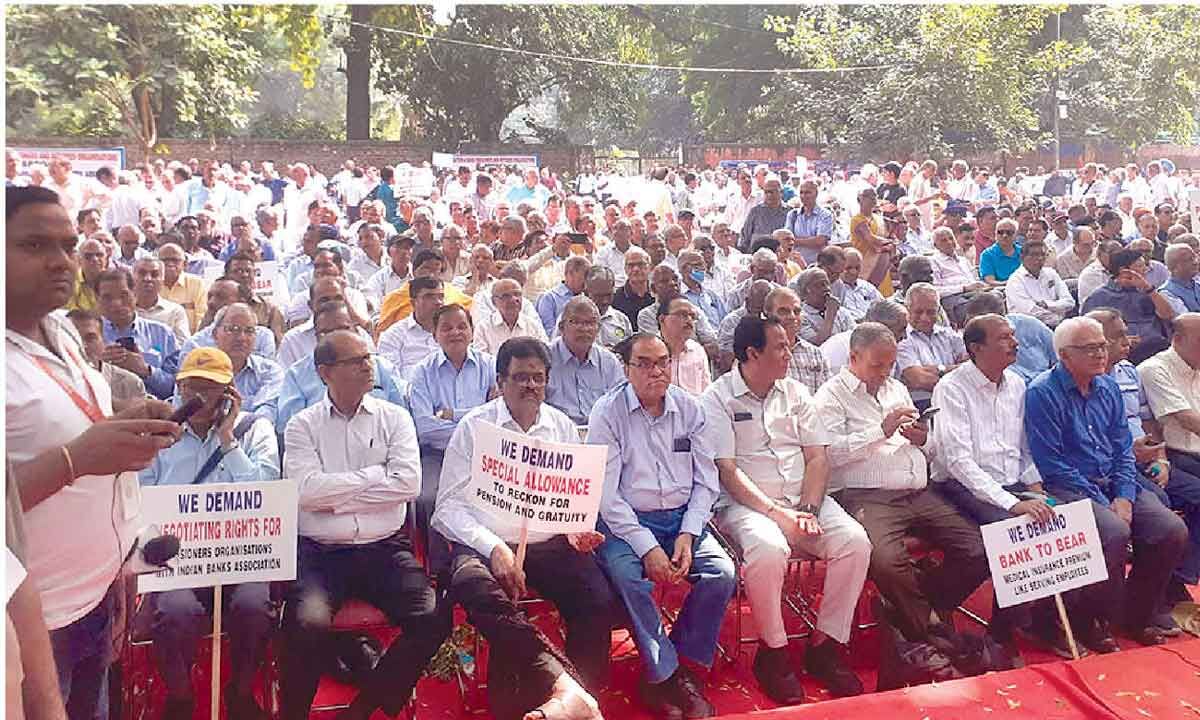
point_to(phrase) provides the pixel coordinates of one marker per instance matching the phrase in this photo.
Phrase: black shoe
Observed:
(690, 697)
(826, 663)
(1053, 638)
(775, 676)
(178, 709)
(1165, 624)
(1098, 638)
(661, 699)
(1149, 635)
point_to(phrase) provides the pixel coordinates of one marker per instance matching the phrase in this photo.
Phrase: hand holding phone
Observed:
(929, 412)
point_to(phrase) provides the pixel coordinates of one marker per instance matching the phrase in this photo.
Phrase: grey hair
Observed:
(868, 334)
(1067, 329)
(136, 231)
(220, 316)
(577, 304)
(635, 251)
(600, 272)
(939, 232)
(265, 213)
(514, 222)
(575, 263)
(1008, 223)
(805, 279)
(1175, 253)
(764, 255)
(848, 251)
(920, 288)
(886, 312)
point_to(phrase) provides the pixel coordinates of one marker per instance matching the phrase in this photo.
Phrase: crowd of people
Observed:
(781, 366)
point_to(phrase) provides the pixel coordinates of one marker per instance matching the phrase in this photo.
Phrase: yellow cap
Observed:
(209, 363)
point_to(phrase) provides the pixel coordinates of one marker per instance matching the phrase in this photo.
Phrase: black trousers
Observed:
(888, 516)
(384, 573)
(524, 664)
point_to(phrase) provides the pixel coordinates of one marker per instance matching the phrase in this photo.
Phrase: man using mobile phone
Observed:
(146, 348)
(219, 444)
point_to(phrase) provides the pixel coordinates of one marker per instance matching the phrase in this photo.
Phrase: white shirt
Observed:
(980, 434)
(765, 436)
(1172, 386)
(70, 195)
(170, 314)
(300, 341)
(837, 350)
(1024, 291)
(951, 274)
(860, 456)
(384, 282)
(77, 537)
(1091, 278)
(354, 474)
(490, 335)
(613, 259)
(406, 344)
(127, 204)
(366, 268)
(483, 307)
(738, 207)
(455, 516)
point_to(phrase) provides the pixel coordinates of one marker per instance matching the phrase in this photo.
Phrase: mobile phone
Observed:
(222, 411)
(929, 412)
(578, 238)
(128, 343)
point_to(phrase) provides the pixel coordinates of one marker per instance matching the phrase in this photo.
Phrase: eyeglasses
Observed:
(1004, 232)
(92, 256)
(368, 359)
(684, 315)
(584, 323)
(1093, 349)
(247, 330)
(663, 364)
(535, 379)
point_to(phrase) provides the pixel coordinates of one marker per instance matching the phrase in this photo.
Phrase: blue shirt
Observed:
(550, 306)
(437, 385)
(265, 247)
(994, 262)
(574, 387)
(1035, 351)
(1133, 398)
(259, 383)
(818, 222)
(708, 303)
(1081, 445)
(159, 349)
(1186, 293)
(388, 198)
(536, 197)
(1136, 308)
(302, 387)
(264, 341)
(256, 458)
(654, 463)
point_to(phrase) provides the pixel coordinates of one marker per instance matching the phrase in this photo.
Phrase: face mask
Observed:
(698, 275)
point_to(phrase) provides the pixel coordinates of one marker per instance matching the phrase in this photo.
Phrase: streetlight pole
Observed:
(1057, 97)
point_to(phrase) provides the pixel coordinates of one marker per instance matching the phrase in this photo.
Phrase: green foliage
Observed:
(294, 127)
(462, 94)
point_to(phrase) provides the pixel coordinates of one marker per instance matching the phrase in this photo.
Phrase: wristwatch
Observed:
(941, 370)
(808, 509)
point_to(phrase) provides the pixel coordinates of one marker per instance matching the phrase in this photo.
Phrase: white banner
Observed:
(84, 161)
(482, 161)
(269, 281)
(1030, 560)
(229, 533)
(552, 487)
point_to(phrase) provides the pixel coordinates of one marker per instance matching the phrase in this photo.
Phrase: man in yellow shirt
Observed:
(181, 287)
(397, 304)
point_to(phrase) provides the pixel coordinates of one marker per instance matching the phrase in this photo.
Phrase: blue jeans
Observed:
(83, 653)
(694, 634)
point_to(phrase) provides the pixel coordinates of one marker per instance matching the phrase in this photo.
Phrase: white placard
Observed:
(229, 533)
(479, 162)
(269, 282)
(552, 487)
(1030, 560)
(84, 161)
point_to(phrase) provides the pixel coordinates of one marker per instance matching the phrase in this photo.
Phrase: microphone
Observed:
(157, 551)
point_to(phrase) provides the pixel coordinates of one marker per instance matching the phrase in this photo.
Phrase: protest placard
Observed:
(269, 283)
(84, 160)
(545, 486)
(1031, 560)
(228, 533)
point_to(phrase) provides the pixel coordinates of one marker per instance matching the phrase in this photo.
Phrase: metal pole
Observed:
(1057, 138)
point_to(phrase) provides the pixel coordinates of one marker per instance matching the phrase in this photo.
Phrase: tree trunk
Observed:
(358, 75)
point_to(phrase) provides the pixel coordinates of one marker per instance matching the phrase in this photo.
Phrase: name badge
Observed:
(740, 416)
(683, 444)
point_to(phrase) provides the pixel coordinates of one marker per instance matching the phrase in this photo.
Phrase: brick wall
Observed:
(326, 156)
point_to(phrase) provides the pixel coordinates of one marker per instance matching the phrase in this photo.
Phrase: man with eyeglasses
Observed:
(1003, 257)
(766, 217)
(634, 295)
(916, 239)
(302, 385)
(1036, 290)
(1146, 310)
(527, 676)
(677, 319)
(93, 261)
(257, 378)
(808, 365)
(218, 444)
(1075, 422)
(182, 287)
(354, 459)
(300, 340)
(243, 269)
(581, 370)
(148, 301)
(659, 490)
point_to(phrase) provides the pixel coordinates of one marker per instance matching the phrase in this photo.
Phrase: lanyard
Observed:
(90, 409)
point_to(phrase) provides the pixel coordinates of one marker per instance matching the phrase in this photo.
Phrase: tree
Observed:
(143, 71)
(464, 94)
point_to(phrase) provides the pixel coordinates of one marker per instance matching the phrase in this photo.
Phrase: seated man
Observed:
(328, 263)
(1035, 341)
(659, 491)
(929, 351)
(257, 378)
(411, 340)
(982, 464)
(822, 315)
(396, 274)
(551, 303)
(1183, 289)
(302, 385)
(692, 269)
(753, 307)
(508, 319)
(1076, 427)
(581, 371)
(1036, 290)
(677, 320)
(807, 365)
(482, 575)
(300, 341)
(446, 386)
(1146, 311)
(953, 275)
(854, 293)
(770, 456)
(600, 287)
(144, 347)
(242, 268)
(356, 463)
(664, 283)
(216, 445)
(399, 303)
(878, 476)
(149, 304)
(126, 387)
(222, 292)
(1170, 381)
